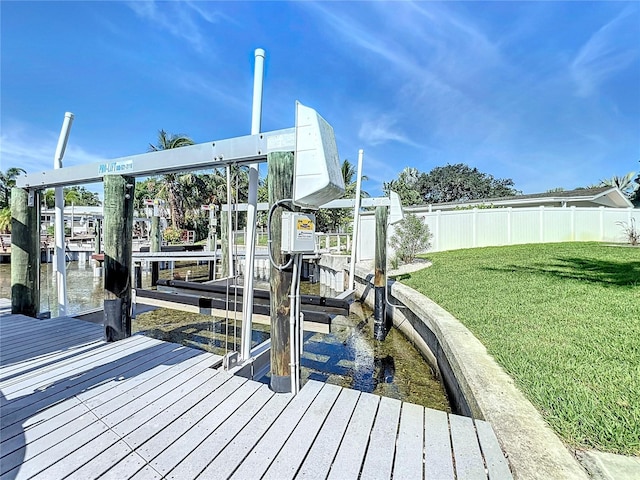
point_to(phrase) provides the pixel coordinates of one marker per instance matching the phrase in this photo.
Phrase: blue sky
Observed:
(545, 93)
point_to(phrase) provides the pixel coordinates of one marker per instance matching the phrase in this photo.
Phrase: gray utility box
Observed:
(298, 232)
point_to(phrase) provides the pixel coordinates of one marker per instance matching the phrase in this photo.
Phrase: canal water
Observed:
(347, 356)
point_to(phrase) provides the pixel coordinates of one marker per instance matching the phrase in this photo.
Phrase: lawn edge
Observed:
(479, 386)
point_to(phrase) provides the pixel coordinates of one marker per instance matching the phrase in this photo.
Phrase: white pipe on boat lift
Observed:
(59, 251)
(252, 204)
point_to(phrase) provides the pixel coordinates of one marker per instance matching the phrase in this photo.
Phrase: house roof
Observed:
(586, 197)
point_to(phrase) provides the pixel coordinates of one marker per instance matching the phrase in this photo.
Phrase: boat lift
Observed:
(317, 174)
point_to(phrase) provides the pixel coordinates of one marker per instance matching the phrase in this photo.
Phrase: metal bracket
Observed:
(31, 200)
(230, 360)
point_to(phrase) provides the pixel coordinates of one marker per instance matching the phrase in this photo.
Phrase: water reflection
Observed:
(348, 356)
(84, 291)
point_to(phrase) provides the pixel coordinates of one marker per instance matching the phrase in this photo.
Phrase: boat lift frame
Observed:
(244, 150)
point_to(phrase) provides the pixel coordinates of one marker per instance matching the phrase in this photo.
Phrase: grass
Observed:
(564, 322)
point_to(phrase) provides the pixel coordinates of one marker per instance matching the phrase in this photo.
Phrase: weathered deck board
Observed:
(437, 445)
(318, 462)
(469, 463)
(224, 464)
(493, 458)
(354, 443)
(267, 448)
(293, 452)
(408, 461)
(198, 460)
(73, 406)
(378, 462)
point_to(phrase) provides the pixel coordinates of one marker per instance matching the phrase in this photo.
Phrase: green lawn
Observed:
(564, 321)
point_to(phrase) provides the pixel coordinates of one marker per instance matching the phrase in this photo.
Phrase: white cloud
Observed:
(602, 55)
(180, 19)
(34, 151)
(210, 88)
(382, 129)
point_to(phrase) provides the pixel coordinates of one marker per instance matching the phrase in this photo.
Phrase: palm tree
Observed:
(71, 197)
(8, 181)
(49, 198)
(625, 183)
(172, 181)
(337, 218)
(5, 220)
(350, 181)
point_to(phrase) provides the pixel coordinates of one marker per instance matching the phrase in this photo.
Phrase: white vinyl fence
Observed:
(457, 229)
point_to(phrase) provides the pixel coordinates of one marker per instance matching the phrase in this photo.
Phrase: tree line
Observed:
(185, 193)
(451, 183)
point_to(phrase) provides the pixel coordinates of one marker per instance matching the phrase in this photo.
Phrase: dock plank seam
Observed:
(120, 437)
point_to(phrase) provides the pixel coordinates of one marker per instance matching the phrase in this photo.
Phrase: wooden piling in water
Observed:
(280, 174)
(98, 237)
(380, 277)
(25, 253)
(156, 241)
(118, 245)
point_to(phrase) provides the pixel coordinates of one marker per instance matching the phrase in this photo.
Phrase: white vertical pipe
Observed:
(356, 223)
(59, 251)
(252, 208)
(230, 257)
(292, 330)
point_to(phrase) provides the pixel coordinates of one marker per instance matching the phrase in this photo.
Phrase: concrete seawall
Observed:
(477, 385)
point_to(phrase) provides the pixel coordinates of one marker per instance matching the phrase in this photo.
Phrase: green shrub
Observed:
(412, 236)
(172, 235)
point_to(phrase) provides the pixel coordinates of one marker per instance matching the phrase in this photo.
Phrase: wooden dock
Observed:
(73, 406)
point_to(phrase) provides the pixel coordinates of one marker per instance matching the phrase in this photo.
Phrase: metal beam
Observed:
(238, 150)
(340, 203)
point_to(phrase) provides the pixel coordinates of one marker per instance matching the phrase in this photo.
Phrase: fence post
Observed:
(602, 224)
(475, 227)
(436, 235)
(541, 223)
(509, 235)
(573, 223)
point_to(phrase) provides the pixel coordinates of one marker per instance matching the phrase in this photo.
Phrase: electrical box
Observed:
(317, 170)
(298, 232)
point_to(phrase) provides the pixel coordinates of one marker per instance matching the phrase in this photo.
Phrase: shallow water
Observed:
(347, 356)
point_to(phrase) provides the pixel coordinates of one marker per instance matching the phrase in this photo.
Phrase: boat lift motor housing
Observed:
(298, 232)
(317, 171)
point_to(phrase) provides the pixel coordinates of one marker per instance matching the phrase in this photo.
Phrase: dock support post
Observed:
(280, 174)
(118, 246)
(97, 265)
(25, 253)
(137, 269)
(380, 277)
(155, 247)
